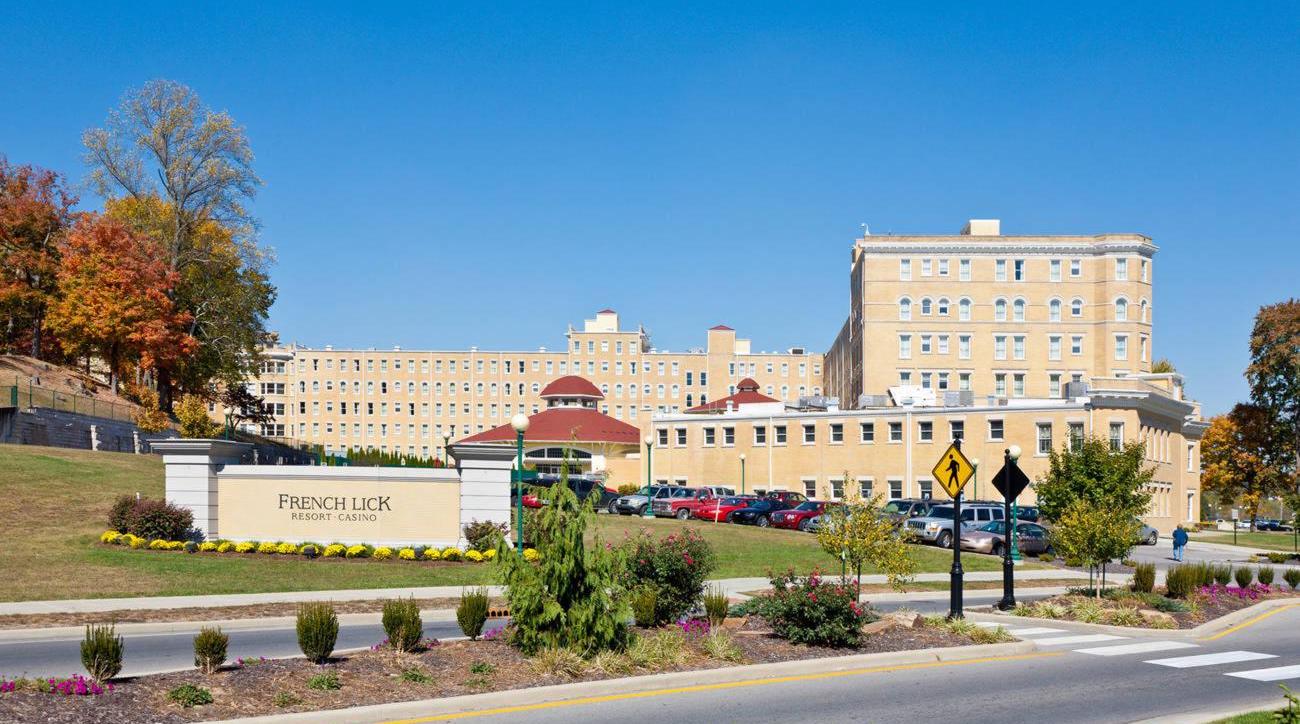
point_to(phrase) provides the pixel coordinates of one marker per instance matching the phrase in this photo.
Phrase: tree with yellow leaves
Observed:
(1244, 458)
(858, 532)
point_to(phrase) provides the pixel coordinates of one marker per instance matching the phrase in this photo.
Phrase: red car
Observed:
(797, 518)
(720, 509)
(790, 498)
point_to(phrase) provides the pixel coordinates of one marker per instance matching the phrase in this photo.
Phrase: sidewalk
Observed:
(731, 586)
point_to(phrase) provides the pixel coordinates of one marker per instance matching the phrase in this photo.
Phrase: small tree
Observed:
(1245, 458)
(859, 532)
(148, 417)
(192, 414)
(572, 597)
(1094, 473)
(1095, 535)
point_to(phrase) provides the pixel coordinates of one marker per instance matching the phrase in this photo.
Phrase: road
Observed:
(1067, 681)
(1162, 554)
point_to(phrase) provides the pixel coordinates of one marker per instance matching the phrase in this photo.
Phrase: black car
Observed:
(1027, 513)
(759, 512)
(584, 488)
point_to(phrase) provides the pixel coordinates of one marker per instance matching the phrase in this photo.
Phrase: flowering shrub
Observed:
(77, 685)
(1250, 592)
(176, 545)
(358, 551)
(286, 549)
(406, 554)
(489, 554)
(432, 554)
(136, 542)
(694, 627)
(109, 536)
(246, 547)
(225, 546)
(451, 554)
(150, 518)
(334, 550)
(382, 553)
(812, 611)
(474, 556)
(207, 546)
(675, 566)
(531, 555)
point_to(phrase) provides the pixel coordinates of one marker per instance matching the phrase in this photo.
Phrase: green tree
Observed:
(1162, 365)
(572, 597)
(858, 532)
(1095, 535)
(1274, 373)
(1092, 472)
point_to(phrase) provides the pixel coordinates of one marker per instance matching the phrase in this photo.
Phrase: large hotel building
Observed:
(996, 339)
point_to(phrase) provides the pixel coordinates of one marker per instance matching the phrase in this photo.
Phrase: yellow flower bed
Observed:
(432, 554)
(335, 550)
(109, 536)
(267, 547)
(474, 556)
(382, 553)
(406, 554)
(489, 554)
(157, 544)
(311, 550)
(531, 555)
(357, 551)
(245, 547)
(225, 546)
(286, 549)
(137, 542)
(176, 545)
(207, 546)
(451, 554)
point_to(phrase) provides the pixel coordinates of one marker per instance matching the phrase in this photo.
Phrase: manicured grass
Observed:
(55, 504)
(1273, 541)
(1254, 717)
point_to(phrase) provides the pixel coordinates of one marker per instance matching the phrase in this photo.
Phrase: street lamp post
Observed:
(520, 423)
(742, 473)
(1008, 602)
(446, 447)
(649, 492)
(955, 602)
(975, 472)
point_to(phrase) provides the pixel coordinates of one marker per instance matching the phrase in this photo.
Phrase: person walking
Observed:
(1180, 540)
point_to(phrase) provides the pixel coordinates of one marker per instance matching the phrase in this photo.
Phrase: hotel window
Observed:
(942, 309)
(999, 347)
(688, 377)
(956, 430)
(1054, 270)
(867, 432)
(1000, 384)
(1121, 310)
(963, 310)
(1018, 310)
(708, 437)
(895, 432)
(809, 487)
(1076, 435)
(895, 489)
(1054, 384)
(1191, 450)
(663, 437)
(1145, 273)
(1000, 270)
(904, 346)
(904, 310)
(837, 488)
(1018, 346)
(943, 344)
(926, 306)
(1121, 269)
(943, 380)
(809, 434)
(864, 488)
(943, 267)
(925, 431)
(1018, 384)
(1044, 438)
(995, 430)
(681, 436)
(778, 431)
(1018, 270)
(1121, 346)
(963, 270)
(1076, 345)
(676, 391)
(837, 432)
(1076, 307)
(963, 381)
(1000, 310)
(1142, 344)
(925, 344)
(760, 435)
(591, 346)
(1054, 346)
(1076, 267)
(926, 488)
(1054, 310)
(925, 379)
(904, 377)
(963, 346)
(1143, 307)
(905, 270)
(1116, 435)
(926, 267)
(728, 436)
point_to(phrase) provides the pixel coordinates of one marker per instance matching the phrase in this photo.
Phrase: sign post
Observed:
(1011, 482)
(953, 471)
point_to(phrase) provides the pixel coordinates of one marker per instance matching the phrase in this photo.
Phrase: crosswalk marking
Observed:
(1223, 657)
(1034, 631)
(1277, 673)
(1081, 639)
(1137, 648)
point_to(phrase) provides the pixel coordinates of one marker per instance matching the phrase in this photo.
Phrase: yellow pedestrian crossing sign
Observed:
(953, 470)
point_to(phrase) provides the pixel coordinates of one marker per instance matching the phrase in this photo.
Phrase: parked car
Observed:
(936, 525)
(901, 509)
(636, 503)
(789, 497)
(584, 488)
(719, 509)
(1147, 535)
(1027, 512)
(681, 502)
(797, 518)
(759, 512)
(1031, 538)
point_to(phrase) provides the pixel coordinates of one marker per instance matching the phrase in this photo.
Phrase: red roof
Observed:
(571, 386)
(721, 328)
(746, 394)
(565, 424)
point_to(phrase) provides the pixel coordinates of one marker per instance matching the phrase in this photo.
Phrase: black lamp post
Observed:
(1008, 602)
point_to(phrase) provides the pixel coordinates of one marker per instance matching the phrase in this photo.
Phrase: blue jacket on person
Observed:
(1180, 537)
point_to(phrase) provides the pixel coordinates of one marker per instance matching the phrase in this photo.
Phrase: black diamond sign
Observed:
(1010, 481)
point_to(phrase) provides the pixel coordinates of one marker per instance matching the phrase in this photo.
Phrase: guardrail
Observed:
(23, 396)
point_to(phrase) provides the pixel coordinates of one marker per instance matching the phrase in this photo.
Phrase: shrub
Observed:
(358, 551)
(318, 631)
(1074, 562)
(432, 554)
(287, 549)
(310, 550)
(812, 611)
(267, 547)
(415, 676)
(402, 623)
(643, 606)
(473, 556)
(612, 663)
(406, 554)
(472, 612)
(1278, 557)
(559, 662)
(676, 566)
(1144, 577)
(1047, 557)
(1244, 575)
(1222, 574)
(482, 667)
(719, 645)
(247, 546)
(286, 699)
(136, 541)
(1125, 616)
(207, 546)
(382, 553)
(327, 681)
(1266, 575)
(101, 652)
(451, 554)
(110, 537)
(210, 649)
(188, 695)
(334, 550)
(1180, 581)
(483, 535)
(715, 605)
(192, 418)
(1292, 577)
(660, 650)
(119, 516)
(150, 518)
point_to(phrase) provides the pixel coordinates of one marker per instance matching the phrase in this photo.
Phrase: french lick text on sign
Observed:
(312, 507)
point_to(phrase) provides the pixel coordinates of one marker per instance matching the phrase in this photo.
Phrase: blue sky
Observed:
(446, 174)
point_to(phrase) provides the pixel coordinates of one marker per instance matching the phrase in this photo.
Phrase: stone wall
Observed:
(57, 428)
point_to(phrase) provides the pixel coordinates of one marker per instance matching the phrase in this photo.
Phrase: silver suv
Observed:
(936, 525)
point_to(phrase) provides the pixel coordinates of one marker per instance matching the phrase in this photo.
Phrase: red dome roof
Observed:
(572, 386)
(563, 425)
(747, 385)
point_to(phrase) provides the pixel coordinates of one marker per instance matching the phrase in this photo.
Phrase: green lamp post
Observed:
(742, 473)
(975, 472)
(446, 448)
(520, 423)
(649, 448)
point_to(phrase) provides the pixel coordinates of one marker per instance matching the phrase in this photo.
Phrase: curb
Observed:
(645, 684)
(1208, 628)
(1206, 717)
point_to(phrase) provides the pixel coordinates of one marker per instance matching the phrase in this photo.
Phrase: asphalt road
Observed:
(1162, 554)
(1060, 684)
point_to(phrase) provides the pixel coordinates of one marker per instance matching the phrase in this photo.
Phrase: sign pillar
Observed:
(953, 471)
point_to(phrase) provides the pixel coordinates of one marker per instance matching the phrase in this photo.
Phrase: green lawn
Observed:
(55, 502)
(1254, 717)
(1273, 541)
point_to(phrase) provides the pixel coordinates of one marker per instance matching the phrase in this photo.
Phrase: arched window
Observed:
(963, 310)
(1076, 307)
(1018, 310)
(926, 306)
(905, 308)
(1143, 306)
(1121, 310)
(1000, 310)
(1054, 310)
(942, 311)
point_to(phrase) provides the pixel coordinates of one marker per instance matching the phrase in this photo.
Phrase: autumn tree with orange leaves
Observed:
(1241, 458)
(35, 211)
(115, 301)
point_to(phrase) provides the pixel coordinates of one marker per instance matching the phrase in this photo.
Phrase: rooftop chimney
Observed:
(982, 227)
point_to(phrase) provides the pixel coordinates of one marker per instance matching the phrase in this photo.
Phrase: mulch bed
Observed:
(374, 677)
(213, 613)
(1207, 608)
